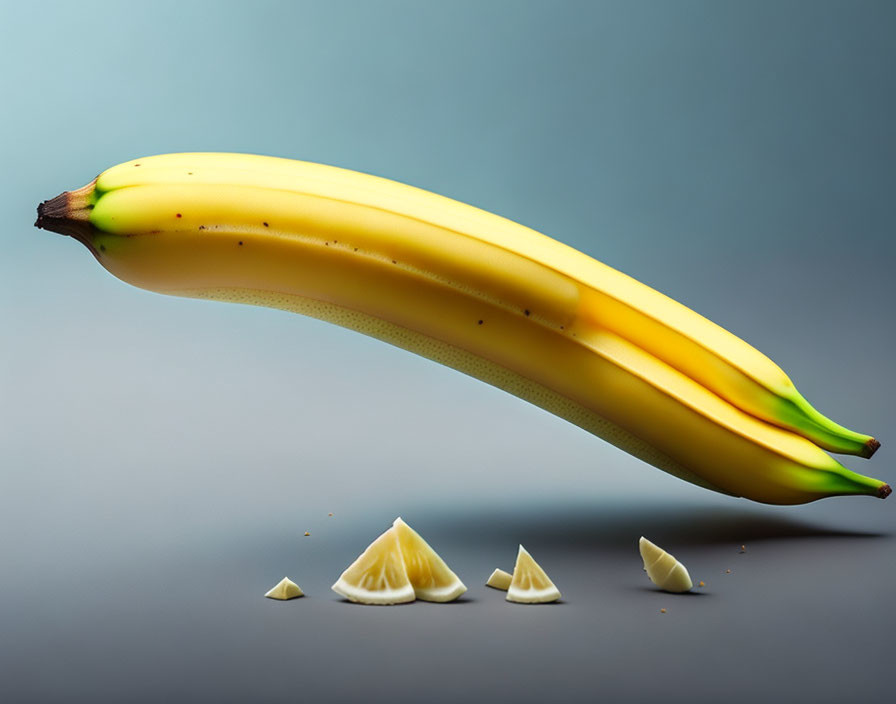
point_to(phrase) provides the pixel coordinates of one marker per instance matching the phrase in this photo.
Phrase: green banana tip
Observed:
(884, 491)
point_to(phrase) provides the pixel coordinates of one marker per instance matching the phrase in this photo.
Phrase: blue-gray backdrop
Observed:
(160, 459)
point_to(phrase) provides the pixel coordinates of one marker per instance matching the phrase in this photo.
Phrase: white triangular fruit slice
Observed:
(430, 577)
(378, 576)
(530, 584)
(285, 589)
(499, 580)
(664, 570)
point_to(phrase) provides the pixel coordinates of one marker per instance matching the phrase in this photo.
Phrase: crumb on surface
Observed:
(662, 611)
(727, 571)
(702, 584)
(307, 533)
(330, 513)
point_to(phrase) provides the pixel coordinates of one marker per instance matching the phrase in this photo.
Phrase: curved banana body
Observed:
(473, 291)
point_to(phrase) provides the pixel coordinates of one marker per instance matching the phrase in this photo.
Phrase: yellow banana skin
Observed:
(476, 292)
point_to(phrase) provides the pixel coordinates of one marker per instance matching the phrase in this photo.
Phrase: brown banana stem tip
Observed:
(884, 491)
(871, 447)
(52, 209)
(69, 214)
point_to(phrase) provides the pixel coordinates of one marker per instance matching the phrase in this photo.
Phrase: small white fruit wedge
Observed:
(285, 589)
(378, 576)
(664, 570)
(431, 578)
(530, 583)
(500, 579)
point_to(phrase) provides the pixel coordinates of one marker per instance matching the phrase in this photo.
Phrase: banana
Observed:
(476, 292)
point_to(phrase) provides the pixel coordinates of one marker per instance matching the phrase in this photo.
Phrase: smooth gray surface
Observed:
(160, 459)
(801, 617)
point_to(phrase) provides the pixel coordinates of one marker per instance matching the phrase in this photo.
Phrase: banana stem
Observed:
(69, 214)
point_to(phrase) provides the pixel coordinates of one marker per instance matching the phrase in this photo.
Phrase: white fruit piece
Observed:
(285, 589)
(430, 577)
(664, 570)
(378, 576)
(499, 580)
(530, 583)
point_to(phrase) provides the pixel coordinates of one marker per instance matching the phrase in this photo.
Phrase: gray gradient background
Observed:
(160, 459)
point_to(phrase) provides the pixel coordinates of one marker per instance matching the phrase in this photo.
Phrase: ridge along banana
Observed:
(473, 291)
